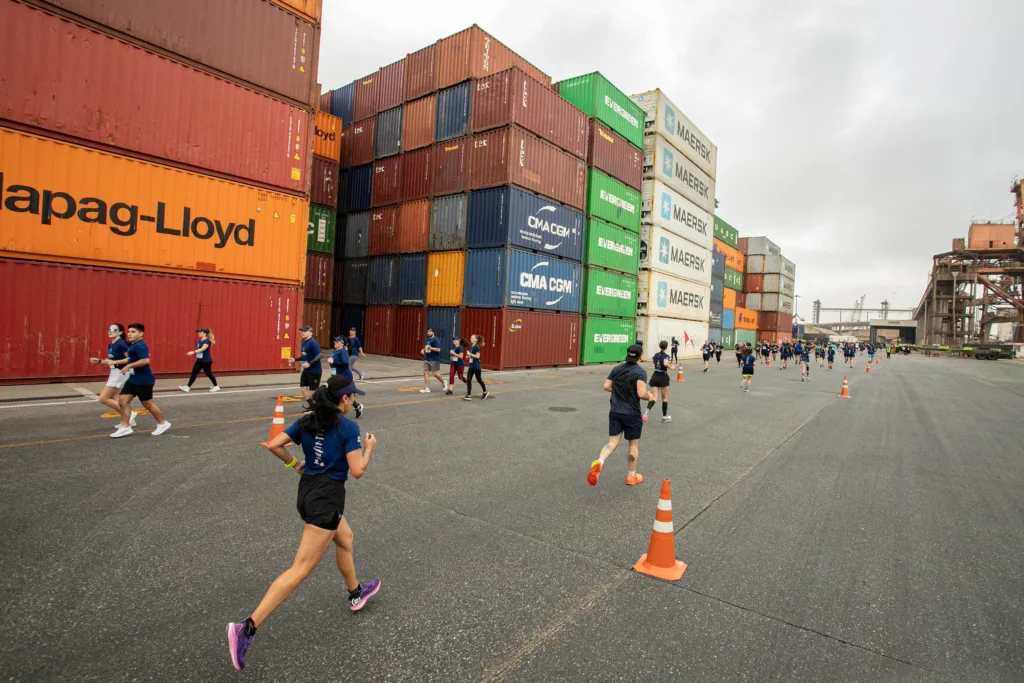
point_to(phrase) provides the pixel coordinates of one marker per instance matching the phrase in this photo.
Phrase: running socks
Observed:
(650, 404)
(352, 595)
(249, 627)
(664, 408)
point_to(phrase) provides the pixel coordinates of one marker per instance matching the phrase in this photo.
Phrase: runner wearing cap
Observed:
(432, 362)
(140, 383)
(331, 452)
(627, 384)
(355, 351)
(204, 360)
(457, 355)
(339, 362)
(312, 370)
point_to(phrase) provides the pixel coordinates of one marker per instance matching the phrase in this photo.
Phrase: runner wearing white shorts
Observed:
(117, 355)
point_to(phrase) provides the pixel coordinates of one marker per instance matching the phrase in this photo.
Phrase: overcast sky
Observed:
(859, 136)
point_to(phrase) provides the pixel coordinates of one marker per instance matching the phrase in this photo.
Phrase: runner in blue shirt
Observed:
(432, 362)
(331, 451)
(749, 360)
(312, 370)
(831, 355)
(117, 355)
(706, 351)
(871, 354)
(660, 382)
(476, 341)
(339, 362)
(456, 354)
(627, 384)
(204, 360)
(355, 351)
(140, 383)
(805, 362)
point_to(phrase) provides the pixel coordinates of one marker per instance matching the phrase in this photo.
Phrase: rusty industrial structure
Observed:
(976, 285)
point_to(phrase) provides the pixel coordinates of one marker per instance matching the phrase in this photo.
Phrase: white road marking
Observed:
(83, 391)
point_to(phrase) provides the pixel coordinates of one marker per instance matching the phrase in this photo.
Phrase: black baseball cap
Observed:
(339, 386)
(634, 352)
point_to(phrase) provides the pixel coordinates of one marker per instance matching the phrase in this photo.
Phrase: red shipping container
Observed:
(319, 276)
(325, 102)
(379, 337)
(416, 172)
(741, 299)
(418, 123)
(357, 143)
(71, 80)
(391, 85)
(772, 337)
(323, 182)
(741, 245)
(523, 339)
(316, 314)
(777, 322)
(410, 323)
(338, 291)
(53, 342)
(283, 60)
(420, 72)
(413, 226)
(511, 156)
(449, 167)
(611, 153)
(364, 93)
(384, 231)
(753, 283)
(512, 96)
(474, 53)
(386, 186)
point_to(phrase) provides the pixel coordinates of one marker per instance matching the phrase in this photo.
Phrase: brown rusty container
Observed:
(316, 314)
(391, 85)
(364, 94)
(220, 35)
(611, 153)
(474, 53)
(358, 147)
(307, 9)
(421, 72)
(410, 329)
(323, 182)
(413, 226)
(418, 123)
(379, 337)
(512, 156)
(384, 231)
(991, 236)
(85, 85)
(524, 339)
(386, 186)
(416, 173)
(513, 96)
(319, 276)
(449, 166)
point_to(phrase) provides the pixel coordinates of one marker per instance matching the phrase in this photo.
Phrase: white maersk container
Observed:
(758, 265)
(664, 296)
(664, 162)
(779, 284)
(762, 246)
(661, 205)
(665, 118)
(773, 302)
(666, 252)
(691, 334)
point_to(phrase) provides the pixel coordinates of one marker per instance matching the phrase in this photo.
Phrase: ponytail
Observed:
(123, 336)
(323, 412)
(480, 340)
(209, 336)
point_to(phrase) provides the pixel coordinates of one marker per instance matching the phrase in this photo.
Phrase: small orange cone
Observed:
(867, 368)
(277, 426)
(660, 559)
(679, 377)
(846, 389)
(876, 361)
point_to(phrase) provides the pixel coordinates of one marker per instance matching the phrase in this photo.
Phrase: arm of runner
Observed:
(278, 445)
(641, 390)
(137, 364)
(608, 385)
(359, 458)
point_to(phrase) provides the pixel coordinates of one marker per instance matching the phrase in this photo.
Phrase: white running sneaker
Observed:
(214, 389)
(131, 420)
(160, 429)
(424, 391)
(184, 387)
(121, 431)
(444, 385)
(361, 375)
(666, 418)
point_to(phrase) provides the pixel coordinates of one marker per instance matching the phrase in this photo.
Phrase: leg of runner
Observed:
(311, 550)
(162, 425)
(358, 593)
(650, 403)
(108, 397)
(598, 465)
(633, 478)
(192, 377)
(444, 384)
(124, 402)
(665, 417)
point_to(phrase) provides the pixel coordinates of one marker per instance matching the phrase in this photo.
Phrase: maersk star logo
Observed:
(662, 295)
(667, 163)
(663, 250)
(666, 206)
(670, 119)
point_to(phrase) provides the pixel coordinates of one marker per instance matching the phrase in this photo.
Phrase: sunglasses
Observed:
(113, 329)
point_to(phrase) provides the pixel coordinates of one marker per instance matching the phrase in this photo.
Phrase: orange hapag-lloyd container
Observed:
(734, 258)
(72, 204)
(327, 136)
(311, 9)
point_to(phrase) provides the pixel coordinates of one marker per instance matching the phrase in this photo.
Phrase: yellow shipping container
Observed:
(445, 273)
(73, 204)
(734, 258)
(327, 136)
(729, 299)
(311, 9)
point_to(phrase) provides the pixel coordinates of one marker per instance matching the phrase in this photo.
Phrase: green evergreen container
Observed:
(598, 98)
(744, 336)
(727, 233)
(610, 200)
(728, 338)
(608, 293)
(733, 279)
(321, 229)
(605, 340)
(609, 246)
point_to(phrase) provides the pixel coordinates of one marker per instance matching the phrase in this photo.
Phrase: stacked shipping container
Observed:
(196, 198)
(769, 283)
(725, 243)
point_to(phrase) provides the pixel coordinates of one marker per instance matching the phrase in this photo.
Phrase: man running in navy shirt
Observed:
(355, 351)
(312, 370)
(432, 362)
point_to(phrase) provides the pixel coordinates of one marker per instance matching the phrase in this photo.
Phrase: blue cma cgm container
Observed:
(453, 111)
(728, 318)
(445, 322)
(508, 215)
(496, 278)
(412, 279)
(342, 101)
(383, 281)
(358, 196)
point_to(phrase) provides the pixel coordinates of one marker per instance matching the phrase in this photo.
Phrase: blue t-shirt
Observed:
(831, 353)
(871, 350)
(459, 362)
(325, 453)
(748, 361)
(310, 350)
(204, 356)
(659, 362)
(706, 349)
(474, 363)
(340, 364)
(805, 356)
(799, 348)
(434, 349)
(117, 350)
(354, 345)
(142, 376)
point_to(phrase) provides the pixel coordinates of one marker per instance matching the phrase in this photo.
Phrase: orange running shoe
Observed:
(594, 473)
(634, 479)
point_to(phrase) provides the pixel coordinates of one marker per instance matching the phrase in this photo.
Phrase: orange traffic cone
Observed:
(846, 389)
(660, 559)
(679, 377)
(876, 361)
(277, 426)
(867, 368)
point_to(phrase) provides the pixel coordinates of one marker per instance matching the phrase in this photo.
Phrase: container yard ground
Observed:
(880, 538)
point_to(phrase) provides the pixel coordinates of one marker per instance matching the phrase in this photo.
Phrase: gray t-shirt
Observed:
(624, 397)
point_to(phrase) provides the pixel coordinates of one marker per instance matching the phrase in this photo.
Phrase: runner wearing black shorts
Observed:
(660, 382)
(627, 383)
(309, 362)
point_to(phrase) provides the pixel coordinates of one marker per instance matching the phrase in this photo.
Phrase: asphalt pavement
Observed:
(879, 538)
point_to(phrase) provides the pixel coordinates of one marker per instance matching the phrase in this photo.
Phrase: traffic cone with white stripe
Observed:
(679, 377)
(660, 559)
(867, 368)
(277, 426)
(846, 389)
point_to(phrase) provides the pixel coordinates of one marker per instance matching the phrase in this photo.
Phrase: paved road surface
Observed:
(875, 539)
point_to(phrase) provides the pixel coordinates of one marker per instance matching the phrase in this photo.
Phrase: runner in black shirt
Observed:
(660, 380)
(627, 384)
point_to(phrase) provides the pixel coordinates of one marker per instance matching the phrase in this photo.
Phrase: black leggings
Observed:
(474, 372)
(206, 368)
